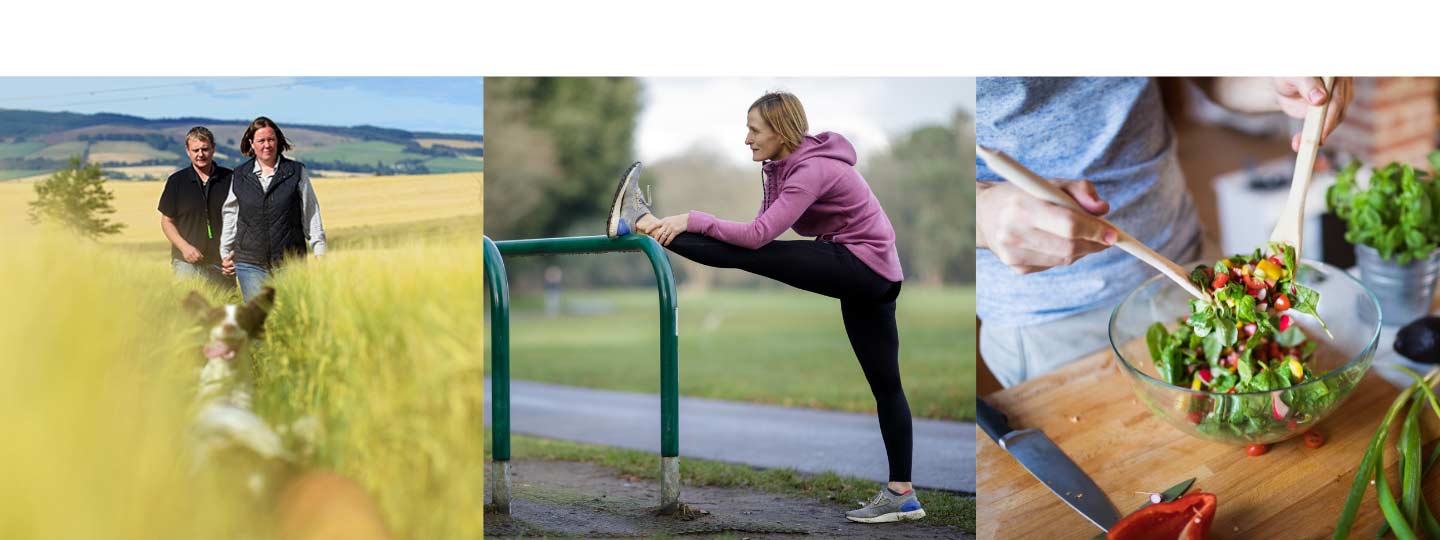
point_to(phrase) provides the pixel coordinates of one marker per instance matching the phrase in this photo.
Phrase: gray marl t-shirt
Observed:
(1111, 131)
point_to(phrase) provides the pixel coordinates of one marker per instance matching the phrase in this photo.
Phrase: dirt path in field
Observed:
(566, 499)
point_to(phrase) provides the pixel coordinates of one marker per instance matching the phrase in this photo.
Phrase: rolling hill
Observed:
(33, 143)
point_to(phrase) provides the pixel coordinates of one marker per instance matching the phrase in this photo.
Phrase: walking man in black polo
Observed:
(190, 211)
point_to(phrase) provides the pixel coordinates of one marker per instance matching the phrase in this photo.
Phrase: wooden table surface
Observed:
(1090, 412)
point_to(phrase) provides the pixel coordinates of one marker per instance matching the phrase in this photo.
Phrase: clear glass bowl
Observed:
(1347, 306)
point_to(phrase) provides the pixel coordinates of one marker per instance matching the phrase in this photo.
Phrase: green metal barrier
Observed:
(497, 280)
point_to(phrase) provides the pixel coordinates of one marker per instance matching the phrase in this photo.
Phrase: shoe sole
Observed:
(612, 225)
(891, 517)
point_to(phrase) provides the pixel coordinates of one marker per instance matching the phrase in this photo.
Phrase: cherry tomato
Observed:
(1220, 281)
(1257, 450)
(1314, 439)
(1282, 302)
(1252, 283)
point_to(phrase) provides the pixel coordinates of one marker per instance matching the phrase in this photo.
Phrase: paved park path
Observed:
(759, 435)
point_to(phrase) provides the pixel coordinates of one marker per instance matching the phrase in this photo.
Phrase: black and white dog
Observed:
(233, 444)
(225, 425)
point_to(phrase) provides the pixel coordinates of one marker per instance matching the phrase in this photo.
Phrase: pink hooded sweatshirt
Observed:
(817, 191)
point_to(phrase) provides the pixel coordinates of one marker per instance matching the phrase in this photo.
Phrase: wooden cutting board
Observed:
(1089, 410)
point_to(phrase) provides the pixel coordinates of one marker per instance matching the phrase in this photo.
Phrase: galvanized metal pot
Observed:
(1405, 290)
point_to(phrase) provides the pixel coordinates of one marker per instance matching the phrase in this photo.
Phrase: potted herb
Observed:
(1395, 226)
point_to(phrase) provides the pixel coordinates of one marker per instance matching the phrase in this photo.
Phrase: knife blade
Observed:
(1044, 460)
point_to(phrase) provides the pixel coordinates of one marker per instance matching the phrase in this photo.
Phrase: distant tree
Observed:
(563, 143)
(926, 183)
(75, 197)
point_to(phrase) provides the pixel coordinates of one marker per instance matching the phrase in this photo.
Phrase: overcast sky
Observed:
(681, 113)
(444, 104)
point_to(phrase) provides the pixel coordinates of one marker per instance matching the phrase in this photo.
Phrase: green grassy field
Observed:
(448, 165)
(778, 346)
(380, 343)
(357, 152)
(941, 508)
(19, 149)
(63, 151)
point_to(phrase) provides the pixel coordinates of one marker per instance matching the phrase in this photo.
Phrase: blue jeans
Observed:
(211, 273)
(252, 279)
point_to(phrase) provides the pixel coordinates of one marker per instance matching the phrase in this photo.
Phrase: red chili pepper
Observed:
(1186, 518)
(1282, 303)
(1257, 450)
(1314, 439)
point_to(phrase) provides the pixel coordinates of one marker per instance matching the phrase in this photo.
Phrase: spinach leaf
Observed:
(1290, 337)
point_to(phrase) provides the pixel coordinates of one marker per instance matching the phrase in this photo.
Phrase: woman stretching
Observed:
(811, 185)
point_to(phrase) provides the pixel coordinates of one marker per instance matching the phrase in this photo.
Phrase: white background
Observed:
(735, 37)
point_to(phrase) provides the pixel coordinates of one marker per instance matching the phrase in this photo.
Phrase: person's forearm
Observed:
(773, 222)
(1247, 95)
(310, 209)
(172, 233)
(229, 226)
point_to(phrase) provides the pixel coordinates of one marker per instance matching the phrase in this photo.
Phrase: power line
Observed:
(232, 90)
(94, 92)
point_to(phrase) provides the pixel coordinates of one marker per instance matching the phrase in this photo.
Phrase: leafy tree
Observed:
(566, 141)
(76, 198)
(926, 183)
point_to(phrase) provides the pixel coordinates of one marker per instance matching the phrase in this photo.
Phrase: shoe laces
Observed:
(876, 499)
(643, 199)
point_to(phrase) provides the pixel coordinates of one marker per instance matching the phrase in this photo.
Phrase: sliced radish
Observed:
(1278, 406)
(1286, 322)
(1250, 329)
(1207, 376)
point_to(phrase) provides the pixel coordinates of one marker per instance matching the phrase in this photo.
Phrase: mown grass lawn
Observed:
(772, 345)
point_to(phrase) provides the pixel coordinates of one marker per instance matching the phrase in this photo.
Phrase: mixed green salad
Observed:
(1244, 338)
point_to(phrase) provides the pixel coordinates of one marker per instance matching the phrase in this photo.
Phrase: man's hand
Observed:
(190, 254)
(227, 265)
(1031, 235)
(1296, 94)
(666, 229)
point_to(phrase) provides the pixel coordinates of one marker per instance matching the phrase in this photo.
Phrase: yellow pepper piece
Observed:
(1196, 384)
(1271, 270)
(1295, 368)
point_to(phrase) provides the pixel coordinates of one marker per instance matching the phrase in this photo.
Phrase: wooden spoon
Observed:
(1042, 189)
(1292, 218)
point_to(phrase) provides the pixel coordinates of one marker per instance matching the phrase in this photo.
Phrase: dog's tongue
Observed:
(219, 349)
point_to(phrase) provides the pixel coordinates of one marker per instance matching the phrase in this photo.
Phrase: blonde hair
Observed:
(199, 133)
(785, 114)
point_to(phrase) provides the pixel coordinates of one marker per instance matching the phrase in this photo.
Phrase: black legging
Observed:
(867, 304)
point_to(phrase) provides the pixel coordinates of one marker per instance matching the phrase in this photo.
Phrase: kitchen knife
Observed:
(1039, 455)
